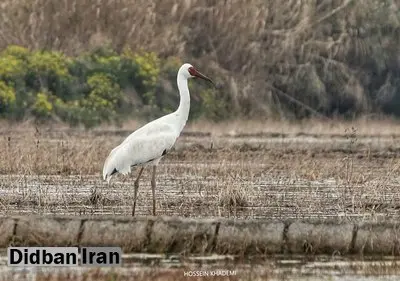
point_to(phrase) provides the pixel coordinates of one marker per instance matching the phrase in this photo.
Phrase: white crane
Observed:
(148, 144)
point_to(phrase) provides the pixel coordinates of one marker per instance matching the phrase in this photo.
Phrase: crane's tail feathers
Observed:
(114, 165)
(107, 174)
(108, 178)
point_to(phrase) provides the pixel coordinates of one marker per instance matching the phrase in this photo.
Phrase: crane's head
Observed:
(189, 71)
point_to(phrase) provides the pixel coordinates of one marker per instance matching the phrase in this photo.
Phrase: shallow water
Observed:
(279, 268)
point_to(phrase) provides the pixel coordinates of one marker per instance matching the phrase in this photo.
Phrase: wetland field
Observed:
(246, 170)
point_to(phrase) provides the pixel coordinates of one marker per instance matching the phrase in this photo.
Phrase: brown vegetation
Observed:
(275, 59)
(285, 170)
(344, 169)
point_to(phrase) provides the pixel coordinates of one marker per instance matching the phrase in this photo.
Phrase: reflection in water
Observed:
(277, 268)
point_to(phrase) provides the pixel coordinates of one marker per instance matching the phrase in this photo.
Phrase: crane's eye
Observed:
(192, 71)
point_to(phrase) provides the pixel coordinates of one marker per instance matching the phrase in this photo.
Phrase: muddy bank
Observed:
(204, 236)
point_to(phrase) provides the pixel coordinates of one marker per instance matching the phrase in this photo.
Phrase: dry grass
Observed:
(55, 150)
(275, 170)
(298, 58)
(233, 197)
(317, 127)
(294, 172)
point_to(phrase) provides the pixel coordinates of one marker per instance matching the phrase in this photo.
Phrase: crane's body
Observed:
(144, 147)
(147, 145)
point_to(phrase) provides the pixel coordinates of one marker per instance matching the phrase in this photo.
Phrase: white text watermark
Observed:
(217, 272)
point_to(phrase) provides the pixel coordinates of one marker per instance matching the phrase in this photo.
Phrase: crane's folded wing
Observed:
(136, 151)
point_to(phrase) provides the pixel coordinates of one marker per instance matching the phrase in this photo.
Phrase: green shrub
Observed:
(147, 74)
(7, 97)
(11, 67)
(70, 111)
(47, 63)
(13, 62)
(17, 52)
(49, 70)
(149, 68)
(101, 103)
(42, 108)
(103, 60)
(104, 93)
(95, 87)
(215, 105)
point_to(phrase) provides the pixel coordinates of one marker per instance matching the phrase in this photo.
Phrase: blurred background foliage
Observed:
(92, 88)
(89, 61)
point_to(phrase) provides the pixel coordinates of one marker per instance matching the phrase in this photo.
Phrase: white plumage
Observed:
(148, 144)
(145, 146)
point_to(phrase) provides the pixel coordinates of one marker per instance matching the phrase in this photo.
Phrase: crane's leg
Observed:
(136, 184)
(153, 189)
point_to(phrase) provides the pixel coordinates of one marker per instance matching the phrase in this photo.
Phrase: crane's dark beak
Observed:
(196, 73)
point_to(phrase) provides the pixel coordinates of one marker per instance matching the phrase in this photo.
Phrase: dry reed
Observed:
(275, 59)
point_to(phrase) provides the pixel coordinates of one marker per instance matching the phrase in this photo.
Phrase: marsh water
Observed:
(225, 267)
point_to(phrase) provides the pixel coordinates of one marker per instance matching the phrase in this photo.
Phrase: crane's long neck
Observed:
(184, 104)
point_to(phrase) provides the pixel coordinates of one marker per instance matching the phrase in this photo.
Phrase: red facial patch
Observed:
(192, 71)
